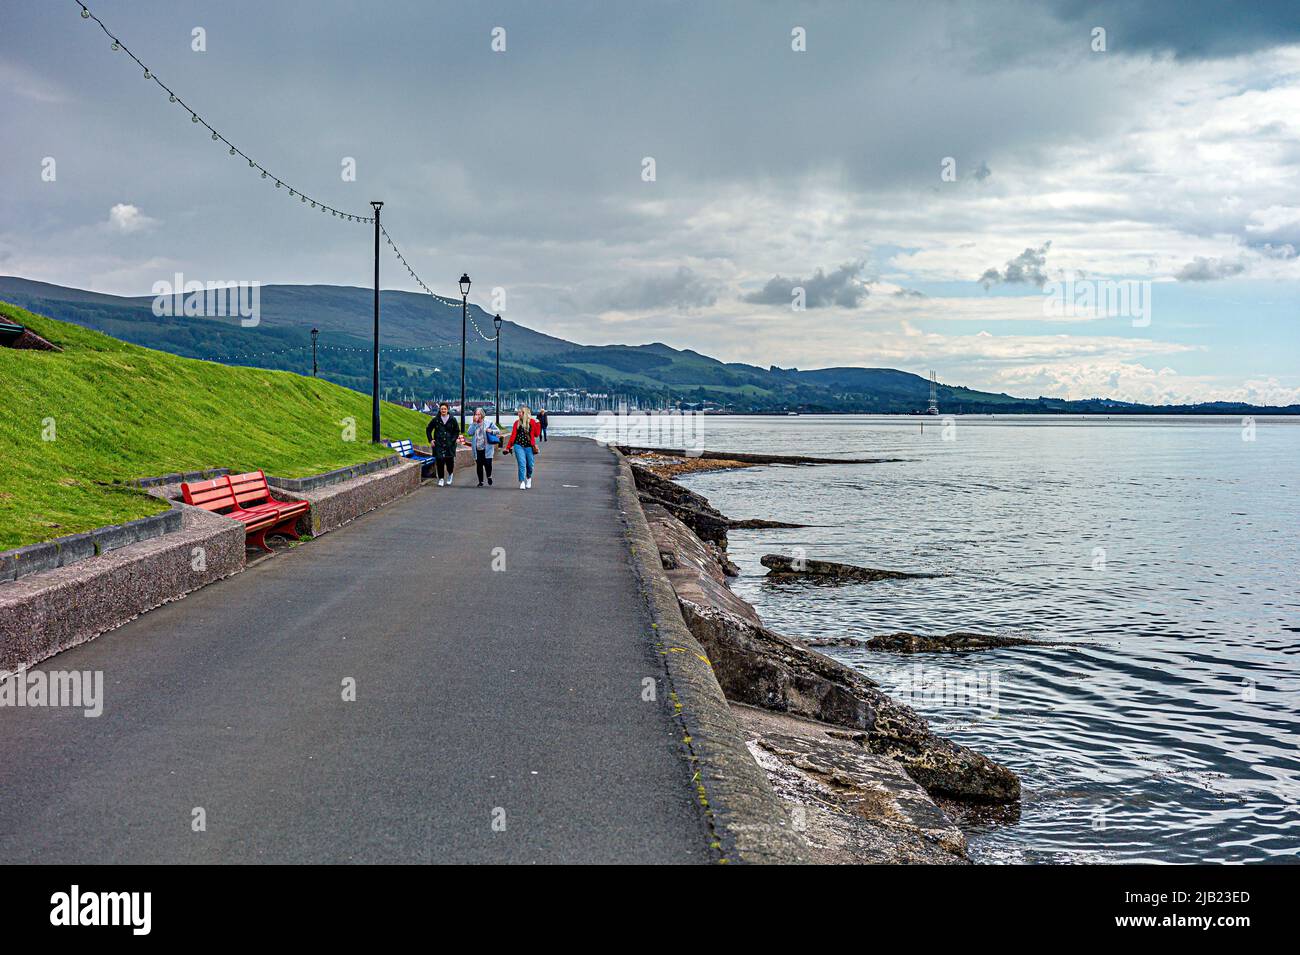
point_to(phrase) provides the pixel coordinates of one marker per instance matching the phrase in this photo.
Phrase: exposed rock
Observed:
(959, 642)
(668, 559)
(834, 642)
(697, 574)
(738, 457)
(826, 571)
(756, 523)
(757, 666)
(693, 510)
(850, 806)
(668, 466)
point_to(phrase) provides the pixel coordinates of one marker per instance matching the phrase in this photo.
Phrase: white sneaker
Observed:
(450, 478)
(523, 485)
(441, 482)
(528, 483)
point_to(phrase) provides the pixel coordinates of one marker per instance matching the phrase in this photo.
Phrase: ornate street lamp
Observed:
(464, 315)
(497, 322)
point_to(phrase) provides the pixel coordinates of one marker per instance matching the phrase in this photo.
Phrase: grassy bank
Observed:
(72, 422)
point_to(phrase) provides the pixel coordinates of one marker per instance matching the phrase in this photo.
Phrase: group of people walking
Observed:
(483, 437)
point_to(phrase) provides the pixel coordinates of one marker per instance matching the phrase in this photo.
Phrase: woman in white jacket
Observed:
(483, 439)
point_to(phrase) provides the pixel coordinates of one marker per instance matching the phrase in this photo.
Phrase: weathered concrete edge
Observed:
(42, 615)
(314, 482)
(63, 551)
(747, 817)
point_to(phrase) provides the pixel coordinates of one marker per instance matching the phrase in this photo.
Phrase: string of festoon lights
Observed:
(450, 303)
(343, 348)
(266, 174)
(195, 118)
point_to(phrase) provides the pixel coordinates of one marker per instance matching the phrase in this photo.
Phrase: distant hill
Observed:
(420, 356)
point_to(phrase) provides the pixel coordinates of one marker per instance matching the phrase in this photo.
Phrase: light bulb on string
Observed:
(194, 117)
(147, 74)
(171, 97)
(85, 14)
(116, 46)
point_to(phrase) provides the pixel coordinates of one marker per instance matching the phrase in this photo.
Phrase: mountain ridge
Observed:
(420, 356)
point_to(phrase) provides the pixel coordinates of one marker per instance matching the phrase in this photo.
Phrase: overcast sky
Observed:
(1171, 157)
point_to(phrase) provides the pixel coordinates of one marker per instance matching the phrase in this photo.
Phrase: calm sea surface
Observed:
(1161, 555)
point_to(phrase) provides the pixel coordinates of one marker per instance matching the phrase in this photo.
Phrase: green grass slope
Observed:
(103, 410)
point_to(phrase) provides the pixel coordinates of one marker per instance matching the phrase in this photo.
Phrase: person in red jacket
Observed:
(523, 444)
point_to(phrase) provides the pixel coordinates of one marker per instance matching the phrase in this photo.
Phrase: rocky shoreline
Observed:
(863, 777)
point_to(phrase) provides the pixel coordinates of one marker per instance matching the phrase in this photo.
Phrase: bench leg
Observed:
(258, 539)
(287, 528)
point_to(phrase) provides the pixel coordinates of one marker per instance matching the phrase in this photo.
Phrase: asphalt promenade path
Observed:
(498, 714)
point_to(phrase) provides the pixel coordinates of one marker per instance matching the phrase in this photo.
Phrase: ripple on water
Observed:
(1168, 729)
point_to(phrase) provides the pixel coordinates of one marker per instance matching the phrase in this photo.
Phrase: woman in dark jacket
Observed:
(443, 433)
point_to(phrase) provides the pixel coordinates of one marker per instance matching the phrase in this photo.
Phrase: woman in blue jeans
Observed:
(523, 444)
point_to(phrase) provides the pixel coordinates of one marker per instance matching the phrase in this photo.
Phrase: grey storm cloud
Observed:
(683, 288)
(1201, 269)
(840, 287)
(1025, 269)
(1189, 29)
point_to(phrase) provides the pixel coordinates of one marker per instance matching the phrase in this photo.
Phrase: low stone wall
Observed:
(315, 482)
(63, 551)
(61, 608)
(338, 504)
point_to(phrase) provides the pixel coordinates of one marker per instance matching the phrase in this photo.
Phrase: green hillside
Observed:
(102, 410)
(420, 357)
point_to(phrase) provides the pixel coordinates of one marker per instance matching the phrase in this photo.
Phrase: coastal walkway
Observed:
(498, 714)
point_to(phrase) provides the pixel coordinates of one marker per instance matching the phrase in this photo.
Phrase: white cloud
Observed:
(1133, 381)
(126, 218)
(28, 84)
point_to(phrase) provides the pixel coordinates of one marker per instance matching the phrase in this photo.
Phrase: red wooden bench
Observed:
(247, 498)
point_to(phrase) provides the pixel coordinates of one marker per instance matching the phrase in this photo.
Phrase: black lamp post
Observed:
(497, 404)
(464, 314)
(374, 381)
(314, 333)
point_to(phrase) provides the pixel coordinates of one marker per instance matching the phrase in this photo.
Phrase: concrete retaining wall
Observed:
(315, 482)
(52, 611)
(63, 551)
(746, 816)
(337, 504)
